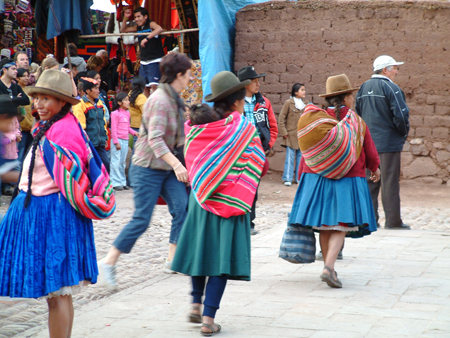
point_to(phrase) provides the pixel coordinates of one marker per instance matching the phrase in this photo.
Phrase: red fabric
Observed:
(265, 168)
(160, 12)
(368, 158)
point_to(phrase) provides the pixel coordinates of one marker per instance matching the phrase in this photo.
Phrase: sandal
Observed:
(212, 333)
(330, 280)
(195, 318)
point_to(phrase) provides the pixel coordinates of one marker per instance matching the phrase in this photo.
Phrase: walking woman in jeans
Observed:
(225, 159)
(155, 170)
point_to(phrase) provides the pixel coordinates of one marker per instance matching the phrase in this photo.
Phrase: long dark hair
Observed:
(137, 88)
(296, 87)
(225, 105)
(63, 112)
(119, 98)
(337, 102)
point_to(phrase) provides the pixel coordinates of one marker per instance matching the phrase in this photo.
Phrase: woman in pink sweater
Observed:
(120, 128)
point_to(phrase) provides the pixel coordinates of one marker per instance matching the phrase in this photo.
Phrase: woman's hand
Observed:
(375, 176)
(68, 72)
(285, 136)
(118, 147)
(181, 173)
(18, 138)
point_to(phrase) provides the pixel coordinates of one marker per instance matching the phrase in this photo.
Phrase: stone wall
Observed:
(310, 40)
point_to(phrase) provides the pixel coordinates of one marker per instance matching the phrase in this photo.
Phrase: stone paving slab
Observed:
(396, 284)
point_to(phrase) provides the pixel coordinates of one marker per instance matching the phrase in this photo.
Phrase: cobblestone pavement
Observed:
(22, 317)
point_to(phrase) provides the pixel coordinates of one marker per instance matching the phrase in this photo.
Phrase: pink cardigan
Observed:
(65, 133)
(9, 150)
(120, 125)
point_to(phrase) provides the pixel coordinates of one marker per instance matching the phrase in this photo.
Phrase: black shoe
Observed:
(253, 232)
(378, 225)
(400, 227)
(126, 187)
(119, 188)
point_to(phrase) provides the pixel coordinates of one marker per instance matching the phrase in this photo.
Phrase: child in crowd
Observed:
(80, 90)
(287, 123)
(10, 140)
(202, 114)
(91, 114)
(120, 128)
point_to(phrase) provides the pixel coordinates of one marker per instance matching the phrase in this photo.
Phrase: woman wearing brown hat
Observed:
(46, 245)
(333, 197)
(224, 159)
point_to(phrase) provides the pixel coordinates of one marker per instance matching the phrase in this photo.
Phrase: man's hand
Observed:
(375, 176)
(143, 42)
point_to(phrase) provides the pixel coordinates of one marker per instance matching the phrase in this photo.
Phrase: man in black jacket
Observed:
(381, 103)
(7, 86)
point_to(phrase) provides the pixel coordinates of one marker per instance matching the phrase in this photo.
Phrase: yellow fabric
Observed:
(27, 123)
(80, 108)
(136, 111)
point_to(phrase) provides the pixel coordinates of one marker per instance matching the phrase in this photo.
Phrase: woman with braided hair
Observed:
(333, 197)
(47, 245)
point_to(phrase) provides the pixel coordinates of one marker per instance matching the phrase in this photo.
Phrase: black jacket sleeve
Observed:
(399, 109)
(23, 100)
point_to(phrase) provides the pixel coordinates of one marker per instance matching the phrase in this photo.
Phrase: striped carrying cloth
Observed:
(330, 147)
(224, 160)
(90, 193)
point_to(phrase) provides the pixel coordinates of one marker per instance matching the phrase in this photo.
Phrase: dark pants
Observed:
(24, 144)
(253, 211)
(103, 153)
(148, 184)
(390, 188)
(213, 295)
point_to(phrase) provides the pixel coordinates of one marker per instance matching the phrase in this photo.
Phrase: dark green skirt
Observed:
(210, 245)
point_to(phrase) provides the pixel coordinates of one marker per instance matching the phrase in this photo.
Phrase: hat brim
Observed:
(391, 64)
(229, 91)
(339, 92)
(31, 91)
(254, 77)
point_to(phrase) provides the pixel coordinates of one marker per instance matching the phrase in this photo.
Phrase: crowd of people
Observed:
(205, 162)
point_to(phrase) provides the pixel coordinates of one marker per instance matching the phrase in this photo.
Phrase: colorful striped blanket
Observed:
(90, 193)
(224, 160)
(330, 147)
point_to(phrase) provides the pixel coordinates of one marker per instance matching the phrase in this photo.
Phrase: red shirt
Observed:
(368, 158)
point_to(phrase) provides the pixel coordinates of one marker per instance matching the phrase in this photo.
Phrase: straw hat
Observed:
(54, 83)
(223, 84)
(338, 84)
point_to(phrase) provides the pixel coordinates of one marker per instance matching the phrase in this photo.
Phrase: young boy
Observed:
(150, 45)
(91, 114)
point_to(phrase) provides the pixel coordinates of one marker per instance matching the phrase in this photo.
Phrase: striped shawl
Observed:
(330, 147)
(224, 160)
(89, 192)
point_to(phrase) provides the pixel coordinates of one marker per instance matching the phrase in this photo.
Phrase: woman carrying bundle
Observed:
(333, 197)
(224, 158)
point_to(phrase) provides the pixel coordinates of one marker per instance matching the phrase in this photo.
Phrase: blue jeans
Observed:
(24, 144)
(148, 184)
(104, 156)
(293, 156)
(118, 163)
(150, 73)
(214, 292)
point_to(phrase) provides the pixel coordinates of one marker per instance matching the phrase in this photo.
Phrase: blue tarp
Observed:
(216, 23)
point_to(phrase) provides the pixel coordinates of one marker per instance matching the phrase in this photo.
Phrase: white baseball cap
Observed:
(384, 61)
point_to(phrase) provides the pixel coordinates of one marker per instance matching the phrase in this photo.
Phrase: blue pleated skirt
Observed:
(45, 247)
(321, 201)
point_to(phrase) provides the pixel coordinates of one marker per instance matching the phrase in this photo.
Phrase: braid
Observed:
(64, 111)
(336, 102)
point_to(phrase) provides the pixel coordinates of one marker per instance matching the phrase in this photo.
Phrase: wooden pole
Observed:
(138, 34)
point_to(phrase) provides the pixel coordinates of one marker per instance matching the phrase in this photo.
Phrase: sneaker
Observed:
(118, 188)
(126, 187)
(287, 184)
(168, 267)
(107, 275)
(253, 231)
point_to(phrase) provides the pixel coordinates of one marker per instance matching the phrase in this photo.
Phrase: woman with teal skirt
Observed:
(224, 159)
(333, 196)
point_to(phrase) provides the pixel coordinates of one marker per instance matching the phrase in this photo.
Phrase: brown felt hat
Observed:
(54, 83)
(338, 84)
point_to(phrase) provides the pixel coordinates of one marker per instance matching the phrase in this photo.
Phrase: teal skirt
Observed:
(210, 245)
